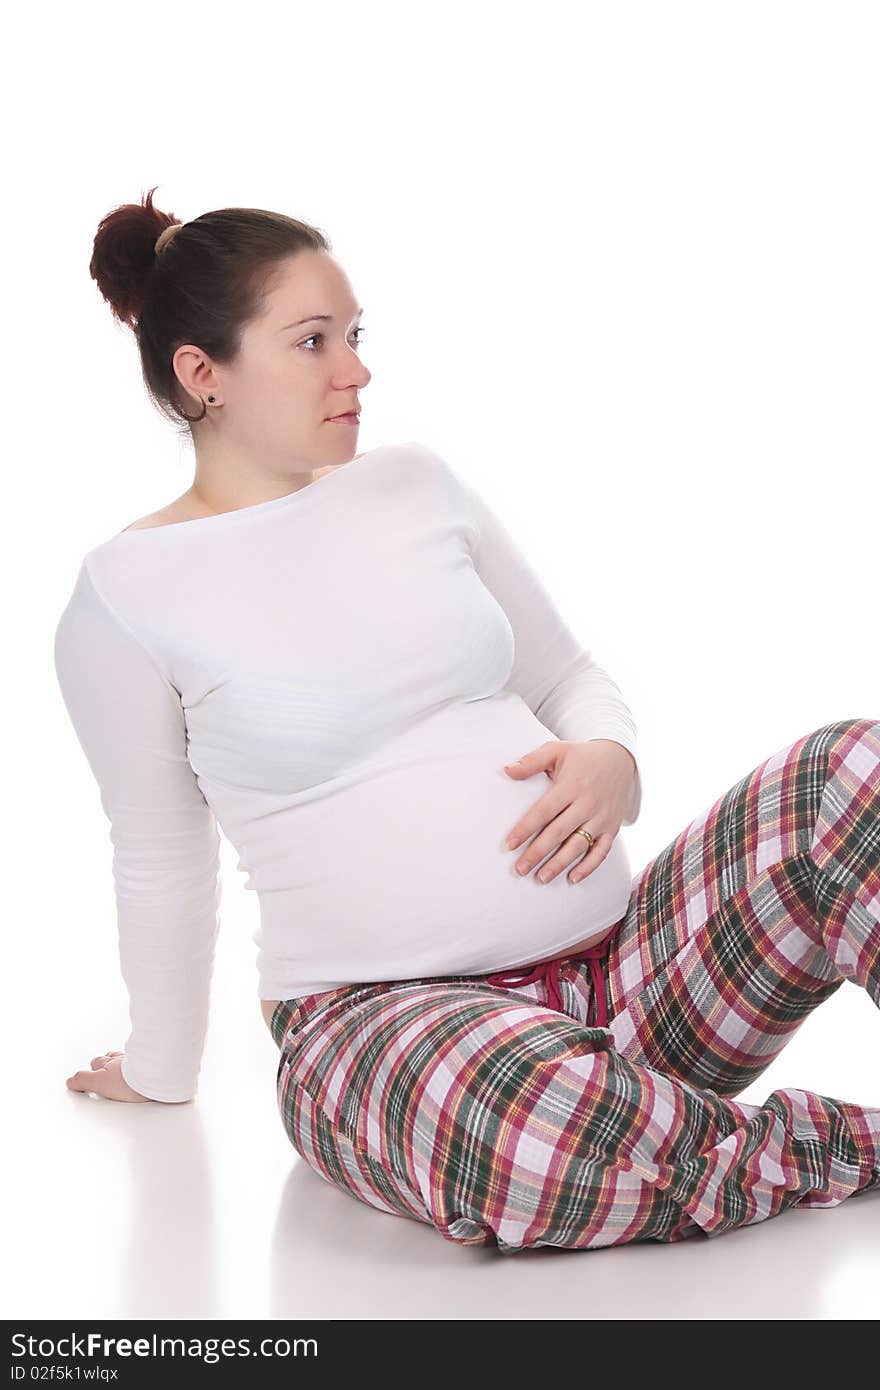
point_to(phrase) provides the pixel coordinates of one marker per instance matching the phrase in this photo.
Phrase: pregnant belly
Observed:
(400, 872)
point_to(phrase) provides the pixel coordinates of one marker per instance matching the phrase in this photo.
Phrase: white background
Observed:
(619, 263)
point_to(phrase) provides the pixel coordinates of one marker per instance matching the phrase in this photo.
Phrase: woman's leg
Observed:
(480, 1110)
(491, 1117)
(754, 914)
(751, 917)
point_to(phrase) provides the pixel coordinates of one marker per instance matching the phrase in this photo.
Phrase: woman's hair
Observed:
(209, 278)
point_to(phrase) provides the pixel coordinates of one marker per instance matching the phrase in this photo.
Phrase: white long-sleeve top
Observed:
(336, 679)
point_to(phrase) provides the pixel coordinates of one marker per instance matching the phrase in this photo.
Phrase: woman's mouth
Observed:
(351, 419)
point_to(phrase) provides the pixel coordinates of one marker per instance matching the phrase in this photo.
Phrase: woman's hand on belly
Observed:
(592, 784)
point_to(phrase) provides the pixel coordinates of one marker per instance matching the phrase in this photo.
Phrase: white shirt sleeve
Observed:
(556, 677)
(130, 723)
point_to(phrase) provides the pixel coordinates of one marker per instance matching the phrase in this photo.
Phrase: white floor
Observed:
(205, 1210)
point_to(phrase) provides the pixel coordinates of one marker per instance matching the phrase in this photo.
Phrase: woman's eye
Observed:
(314, 336)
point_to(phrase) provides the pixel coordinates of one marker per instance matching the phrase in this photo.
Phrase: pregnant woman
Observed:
(485, 1022)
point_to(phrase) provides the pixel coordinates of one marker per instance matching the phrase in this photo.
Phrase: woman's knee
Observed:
(843, 734)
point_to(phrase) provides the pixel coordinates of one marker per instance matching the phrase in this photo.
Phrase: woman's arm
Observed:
(556, 677)
(130, 723)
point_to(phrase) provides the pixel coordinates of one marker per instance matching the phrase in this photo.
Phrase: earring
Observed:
(211, 399)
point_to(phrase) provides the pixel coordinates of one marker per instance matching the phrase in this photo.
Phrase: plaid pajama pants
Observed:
(589, 1103)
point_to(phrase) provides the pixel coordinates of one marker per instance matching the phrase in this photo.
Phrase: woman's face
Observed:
(298, 365)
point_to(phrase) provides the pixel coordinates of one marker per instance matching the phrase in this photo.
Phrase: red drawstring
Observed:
(548, 970)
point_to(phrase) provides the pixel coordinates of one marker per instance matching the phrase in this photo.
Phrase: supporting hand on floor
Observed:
(105, 1079)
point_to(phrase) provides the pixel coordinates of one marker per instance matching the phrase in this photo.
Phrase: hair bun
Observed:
(123, 263)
